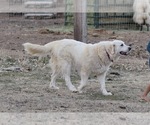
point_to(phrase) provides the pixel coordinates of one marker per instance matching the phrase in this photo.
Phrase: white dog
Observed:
(141, 9)
(85, 58)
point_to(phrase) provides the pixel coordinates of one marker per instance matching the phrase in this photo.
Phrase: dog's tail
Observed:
(35, 50)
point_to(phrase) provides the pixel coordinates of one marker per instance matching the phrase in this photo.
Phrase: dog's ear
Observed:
(111, 49)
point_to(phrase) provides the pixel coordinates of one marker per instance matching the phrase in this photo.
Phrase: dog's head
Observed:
(120, 48)
(116, 48)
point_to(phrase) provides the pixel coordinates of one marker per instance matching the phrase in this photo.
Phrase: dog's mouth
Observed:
(127, 52)
(124, 53)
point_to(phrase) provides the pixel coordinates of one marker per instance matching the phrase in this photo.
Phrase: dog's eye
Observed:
(121, 45)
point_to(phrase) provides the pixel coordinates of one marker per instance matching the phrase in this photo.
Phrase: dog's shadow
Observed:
(98, 96)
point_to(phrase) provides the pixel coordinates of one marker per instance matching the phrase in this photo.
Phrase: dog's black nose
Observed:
(129, 48)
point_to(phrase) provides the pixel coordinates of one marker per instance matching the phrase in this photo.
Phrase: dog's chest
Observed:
(98, 68)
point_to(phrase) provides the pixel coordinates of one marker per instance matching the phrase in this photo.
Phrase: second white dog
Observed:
(85, 58)
(141, 9)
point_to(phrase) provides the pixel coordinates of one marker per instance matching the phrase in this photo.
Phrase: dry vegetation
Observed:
(24, 80)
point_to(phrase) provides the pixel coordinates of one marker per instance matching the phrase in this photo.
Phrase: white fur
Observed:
(85, 58)
(141, 9)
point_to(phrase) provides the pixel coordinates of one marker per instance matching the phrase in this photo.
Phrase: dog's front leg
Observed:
(101, 79)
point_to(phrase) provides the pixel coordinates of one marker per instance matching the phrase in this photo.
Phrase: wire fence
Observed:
(108, 14)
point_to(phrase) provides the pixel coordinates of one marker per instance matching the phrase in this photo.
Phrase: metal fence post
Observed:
(96, 13)
(66, 13)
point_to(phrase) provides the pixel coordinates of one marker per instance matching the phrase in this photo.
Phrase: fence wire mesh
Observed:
(110, 14)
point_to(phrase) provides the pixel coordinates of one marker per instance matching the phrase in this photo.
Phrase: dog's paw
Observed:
(53, 87)
(73, 89)
(107, 93)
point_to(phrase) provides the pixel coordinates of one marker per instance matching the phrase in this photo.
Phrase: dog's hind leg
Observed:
(55, 74)
(84, 80)
(66, 74)
(53, 80)
(69, 84)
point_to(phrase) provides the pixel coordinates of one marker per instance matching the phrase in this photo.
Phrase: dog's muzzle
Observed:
(126, 53)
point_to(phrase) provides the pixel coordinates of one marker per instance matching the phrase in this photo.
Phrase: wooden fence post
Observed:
(80, 20)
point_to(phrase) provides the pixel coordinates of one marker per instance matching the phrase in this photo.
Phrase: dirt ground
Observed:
(24, 81)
